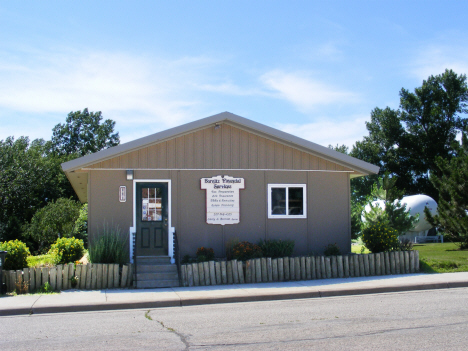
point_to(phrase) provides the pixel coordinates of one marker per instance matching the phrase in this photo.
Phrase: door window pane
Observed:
(151, 207)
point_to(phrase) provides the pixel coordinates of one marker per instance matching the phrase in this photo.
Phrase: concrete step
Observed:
(157, 269)
(165, 283)
(147, 260)
(157, 276)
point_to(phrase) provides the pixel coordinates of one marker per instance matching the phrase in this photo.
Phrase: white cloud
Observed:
(326, 132)
(433, 60)
(128, 89)
(303, 91)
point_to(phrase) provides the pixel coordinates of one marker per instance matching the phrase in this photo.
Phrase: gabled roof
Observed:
(359, 166)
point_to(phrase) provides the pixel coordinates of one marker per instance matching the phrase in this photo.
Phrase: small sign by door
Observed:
(123, 194)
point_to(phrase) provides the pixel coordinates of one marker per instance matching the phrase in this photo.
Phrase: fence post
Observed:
(123, 282)
(334, 267)
(280, 269)
(377, 264)
(274, 268)
(258, 270)
(196, 275)
(412, 264)
(235, 272)
(53, 278)
(371, 263)
(269, 269)
(397, 262)
(201, 273)
(362, 268)
(248, 271)
(339, 263)
(212, 272)
(407, 263)
(286, 268)
(292, 270)
(206, 268)
(313, 271)
(346, 266)
(218, 274)
(89, 274)
(116, 275)
(110, 274)
(223, 272)
(416, 260)
(190, 275)
(229, 272)
(318, 267)
(240, 272)
(84, 269)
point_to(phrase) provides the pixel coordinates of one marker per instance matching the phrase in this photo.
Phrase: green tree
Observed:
(30, 178)
(395, 214)
(452, 185)
(84, 133)
(406, 142)
(56, 220)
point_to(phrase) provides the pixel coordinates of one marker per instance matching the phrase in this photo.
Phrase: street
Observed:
(429, 320)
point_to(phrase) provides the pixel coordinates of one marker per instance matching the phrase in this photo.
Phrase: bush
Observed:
(406, 244)
(109, 247)
(66, 250)
(17, 255)
(56, 220)
(380, 237)
(204, 254)
(276, 248)
(246, 251)
(332, 250)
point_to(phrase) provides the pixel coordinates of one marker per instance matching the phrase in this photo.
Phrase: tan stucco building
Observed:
(271, 185)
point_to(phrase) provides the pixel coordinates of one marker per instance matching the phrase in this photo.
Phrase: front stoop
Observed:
(155, 272)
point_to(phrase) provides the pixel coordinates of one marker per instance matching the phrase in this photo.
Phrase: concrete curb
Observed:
(194, 301)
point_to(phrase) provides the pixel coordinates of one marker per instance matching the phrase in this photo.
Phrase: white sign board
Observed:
(222, 199)
(123, 194)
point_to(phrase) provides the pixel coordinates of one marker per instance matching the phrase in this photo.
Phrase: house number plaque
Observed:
(222, 199)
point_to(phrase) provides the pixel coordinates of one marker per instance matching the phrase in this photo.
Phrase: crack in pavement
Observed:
(172, 330)
(377, 332)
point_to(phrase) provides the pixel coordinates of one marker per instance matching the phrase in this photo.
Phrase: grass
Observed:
(434, 257)
(442, 258)
(40, 261)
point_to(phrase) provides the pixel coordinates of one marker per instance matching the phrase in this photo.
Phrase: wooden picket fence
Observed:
(89, 276)
(299, 268)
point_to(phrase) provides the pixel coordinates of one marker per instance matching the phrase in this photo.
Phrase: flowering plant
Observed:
(245, 251)
(379, 237)
(66, 250)
(205, 254)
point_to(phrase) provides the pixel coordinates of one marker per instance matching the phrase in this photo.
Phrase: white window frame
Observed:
(287, 186)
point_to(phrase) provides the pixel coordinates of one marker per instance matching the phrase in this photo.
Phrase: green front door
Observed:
(151, 219)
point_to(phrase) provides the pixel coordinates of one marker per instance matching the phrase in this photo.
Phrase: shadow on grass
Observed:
(425, 268)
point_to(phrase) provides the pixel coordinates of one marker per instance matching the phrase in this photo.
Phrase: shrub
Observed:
(56, 220)
(66, 250)
(186, 259)
(332, 250)
(380, 237)
(229, 247)
(406, 244)
(204, 254)
(17, 255)
(109, 247)
(276, 248)
(245, 251)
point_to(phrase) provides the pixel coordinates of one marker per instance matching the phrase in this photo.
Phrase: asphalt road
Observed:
(426, 320)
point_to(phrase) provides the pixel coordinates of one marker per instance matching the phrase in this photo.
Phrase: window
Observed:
(287, 201)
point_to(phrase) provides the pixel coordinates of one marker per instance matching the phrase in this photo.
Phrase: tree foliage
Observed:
(452, 217)
(406, 142)
(56, 220)
(30, 178)
(84, 133)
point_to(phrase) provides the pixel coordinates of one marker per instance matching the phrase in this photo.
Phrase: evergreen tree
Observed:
(452, 184)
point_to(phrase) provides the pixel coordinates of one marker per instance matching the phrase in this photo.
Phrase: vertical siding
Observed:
(227, 147)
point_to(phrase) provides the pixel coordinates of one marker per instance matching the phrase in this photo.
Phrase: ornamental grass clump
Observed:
(245, 251)
(66, 250)
(379, 237)
(110, 247)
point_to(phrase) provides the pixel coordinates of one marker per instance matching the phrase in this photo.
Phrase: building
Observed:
(215, 179)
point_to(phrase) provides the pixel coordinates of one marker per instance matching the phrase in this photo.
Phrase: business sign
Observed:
(222, 199)
(123, 194)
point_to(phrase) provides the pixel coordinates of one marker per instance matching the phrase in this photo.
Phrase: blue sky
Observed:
(315, 69)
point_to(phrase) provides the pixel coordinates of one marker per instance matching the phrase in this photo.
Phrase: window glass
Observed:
(151, 207)
(278, 203)
(287, 201)
(295, 201)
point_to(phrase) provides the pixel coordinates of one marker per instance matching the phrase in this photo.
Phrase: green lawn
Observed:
(40, 261)
(435, 258)
(442, 258)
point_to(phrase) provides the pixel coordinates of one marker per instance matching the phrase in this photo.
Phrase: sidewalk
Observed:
(117, 299)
